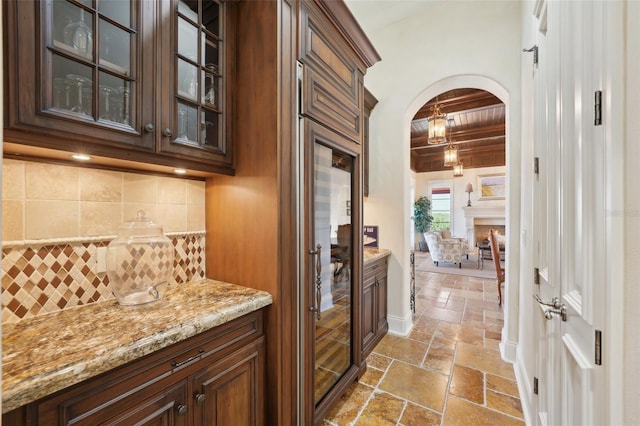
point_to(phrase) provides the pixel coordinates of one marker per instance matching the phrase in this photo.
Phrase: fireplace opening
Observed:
(481, 232)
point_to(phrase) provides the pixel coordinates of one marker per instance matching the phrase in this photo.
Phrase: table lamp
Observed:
(469, 190)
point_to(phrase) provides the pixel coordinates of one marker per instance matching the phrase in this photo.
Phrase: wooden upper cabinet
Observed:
(332, 76)
(197, 41)
(143, 81)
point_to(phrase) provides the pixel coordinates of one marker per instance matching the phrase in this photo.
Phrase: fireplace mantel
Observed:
(493, 215)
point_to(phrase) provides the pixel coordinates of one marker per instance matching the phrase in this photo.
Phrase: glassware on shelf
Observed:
(115, 106)
(209, 96)
(106, 110)
(81, 87)
(61, 93)
(124, 91)
(182, 124)
(79, 36)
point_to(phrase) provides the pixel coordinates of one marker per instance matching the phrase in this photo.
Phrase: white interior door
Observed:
(545, 221)
(570, 212)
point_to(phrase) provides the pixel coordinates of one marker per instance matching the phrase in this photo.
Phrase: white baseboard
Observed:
(508, 350)
(400, 326)
(525, 389)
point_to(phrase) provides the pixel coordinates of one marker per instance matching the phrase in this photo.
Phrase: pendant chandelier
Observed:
(437, 125)
(458, 169)
(451, 151)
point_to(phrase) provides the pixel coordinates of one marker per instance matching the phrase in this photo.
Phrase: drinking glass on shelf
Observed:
(124, 91)
(182, 124)
(81, 86)
(79, 36)
(61, 93)
(209, 96)
(115, 106)
(105, 102)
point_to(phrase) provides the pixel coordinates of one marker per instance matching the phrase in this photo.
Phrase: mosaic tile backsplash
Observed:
(56, 275)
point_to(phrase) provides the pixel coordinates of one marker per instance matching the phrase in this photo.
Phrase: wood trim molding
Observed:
(343, 19)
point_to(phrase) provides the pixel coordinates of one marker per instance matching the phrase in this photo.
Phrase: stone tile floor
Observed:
(448, 371)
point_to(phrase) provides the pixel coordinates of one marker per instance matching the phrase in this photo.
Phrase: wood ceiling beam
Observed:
(458, 104)
(490, 149)
(470, 161)
(463, 136)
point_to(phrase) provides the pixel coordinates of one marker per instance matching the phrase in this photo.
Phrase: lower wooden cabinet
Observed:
(224, 392)
(374, 304)
(214, 378)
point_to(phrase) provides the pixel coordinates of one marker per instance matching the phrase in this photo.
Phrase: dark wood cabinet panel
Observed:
(370, 102)
(333, 90)
(369, 314)
(168, 407)
(329, 106)
(119, 83)
(162, 388)
(374, 306)
(231, 391)
(383, 325)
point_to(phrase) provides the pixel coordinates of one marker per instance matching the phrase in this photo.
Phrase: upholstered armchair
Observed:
(446, 236)
(449, 251)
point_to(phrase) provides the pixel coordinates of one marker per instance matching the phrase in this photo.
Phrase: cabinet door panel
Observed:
(81, 77)
(331, 107)
(333, 80)
(369, 322)
(195, 117)
(381, 315)
(164, 409)
(233, 389)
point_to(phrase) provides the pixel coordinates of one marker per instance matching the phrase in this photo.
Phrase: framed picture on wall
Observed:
(491, 187)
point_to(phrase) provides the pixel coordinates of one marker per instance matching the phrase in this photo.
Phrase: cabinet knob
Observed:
(181, 409)
(200, 398)
(149, 128)
(167, 132)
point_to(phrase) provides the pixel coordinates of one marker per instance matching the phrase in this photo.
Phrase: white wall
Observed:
(458, 194)
(480, 43)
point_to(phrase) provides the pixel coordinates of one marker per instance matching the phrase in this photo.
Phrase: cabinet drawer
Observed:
(376, 268)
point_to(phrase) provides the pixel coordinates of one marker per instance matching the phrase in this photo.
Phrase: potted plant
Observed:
(422, 219)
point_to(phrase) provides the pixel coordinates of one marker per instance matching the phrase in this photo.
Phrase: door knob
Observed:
(149, 127)
(555, 302)
(167, 132)
(556, 308)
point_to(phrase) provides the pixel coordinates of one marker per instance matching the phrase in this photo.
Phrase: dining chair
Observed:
(495, 253)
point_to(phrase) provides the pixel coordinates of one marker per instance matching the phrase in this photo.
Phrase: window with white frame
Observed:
(441, 208)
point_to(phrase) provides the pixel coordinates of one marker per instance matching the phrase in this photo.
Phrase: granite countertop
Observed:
(48, 353)
(371, 254)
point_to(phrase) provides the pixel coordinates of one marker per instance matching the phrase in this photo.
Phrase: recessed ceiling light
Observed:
(81, 157)
(180, 171)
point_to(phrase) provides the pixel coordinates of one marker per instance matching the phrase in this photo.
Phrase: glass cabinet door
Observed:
(90, 58)
(333, 278)
(198, 76)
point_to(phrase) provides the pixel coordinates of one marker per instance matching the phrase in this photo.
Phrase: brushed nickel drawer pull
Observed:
(189, 360)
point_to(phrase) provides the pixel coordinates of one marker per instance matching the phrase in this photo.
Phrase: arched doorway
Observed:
(512, 193)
